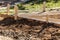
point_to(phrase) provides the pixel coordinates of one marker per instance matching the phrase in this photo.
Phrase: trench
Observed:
(28, 29)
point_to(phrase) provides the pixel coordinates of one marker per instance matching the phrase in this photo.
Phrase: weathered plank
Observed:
(45, 18)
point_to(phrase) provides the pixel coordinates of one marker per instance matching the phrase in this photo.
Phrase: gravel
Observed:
(24, 29)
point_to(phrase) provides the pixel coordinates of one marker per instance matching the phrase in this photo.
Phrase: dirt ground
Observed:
(27, 29)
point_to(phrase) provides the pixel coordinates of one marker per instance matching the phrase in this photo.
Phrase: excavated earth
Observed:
(28, 29)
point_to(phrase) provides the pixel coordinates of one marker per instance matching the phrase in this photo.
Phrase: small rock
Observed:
(36, 31)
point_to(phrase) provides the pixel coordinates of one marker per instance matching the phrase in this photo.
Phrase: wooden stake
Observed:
(47, 18)
(8, 9)
(56, 16)
(44, 5)
(16, 12)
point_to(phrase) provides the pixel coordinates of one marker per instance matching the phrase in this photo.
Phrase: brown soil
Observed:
(27, 29)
